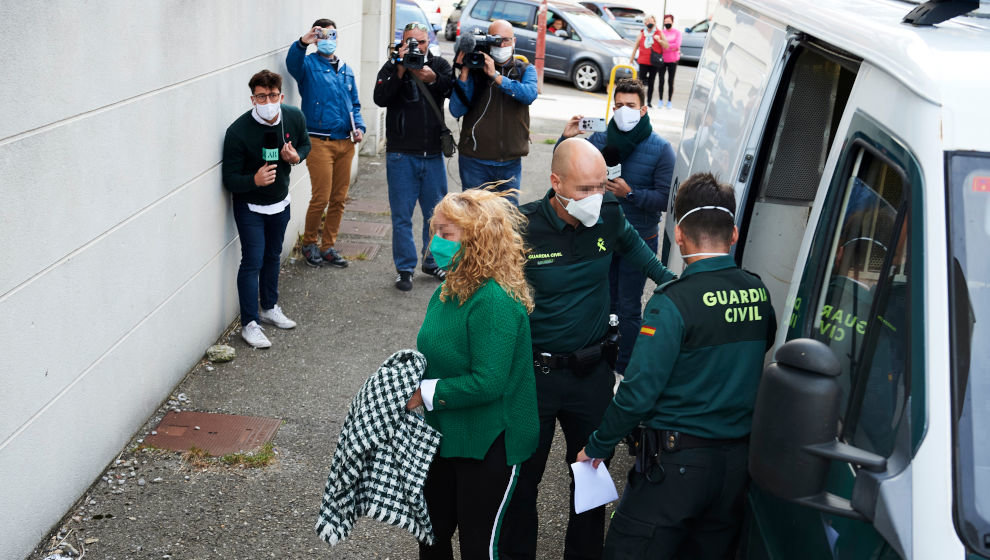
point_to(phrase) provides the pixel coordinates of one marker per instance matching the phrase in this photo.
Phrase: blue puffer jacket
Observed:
(328, 95)
(647, 171)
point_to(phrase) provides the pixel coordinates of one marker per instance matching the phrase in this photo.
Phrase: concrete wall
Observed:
(119, 251)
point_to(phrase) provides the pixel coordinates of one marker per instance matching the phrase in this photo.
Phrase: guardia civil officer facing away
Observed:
(691, 383)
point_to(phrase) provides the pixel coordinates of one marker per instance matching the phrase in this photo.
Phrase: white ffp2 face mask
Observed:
(585, 210)
(626, 118)
(501, 54)
(268, 111)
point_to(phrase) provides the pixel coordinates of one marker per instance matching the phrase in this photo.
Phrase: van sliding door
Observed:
(788, 167)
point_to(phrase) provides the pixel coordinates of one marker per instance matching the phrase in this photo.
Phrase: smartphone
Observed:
(592, 124)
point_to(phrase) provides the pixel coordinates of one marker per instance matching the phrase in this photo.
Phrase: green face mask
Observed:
(444, 250)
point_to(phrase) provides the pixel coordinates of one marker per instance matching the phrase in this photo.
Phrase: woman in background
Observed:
(648, 43)
(670, 42)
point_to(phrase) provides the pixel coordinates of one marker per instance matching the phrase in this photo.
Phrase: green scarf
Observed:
(626, 142)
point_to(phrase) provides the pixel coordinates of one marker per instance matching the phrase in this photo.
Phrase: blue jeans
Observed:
(626, 288)
(261, 256)
(411, 178)
(476, 172)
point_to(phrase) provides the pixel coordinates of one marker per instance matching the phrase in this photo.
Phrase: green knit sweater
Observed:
(482, 354)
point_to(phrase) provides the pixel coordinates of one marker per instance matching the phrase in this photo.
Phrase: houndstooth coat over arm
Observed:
(382, 456)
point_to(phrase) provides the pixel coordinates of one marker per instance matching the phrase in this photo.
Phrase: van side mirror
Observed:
(795, 426)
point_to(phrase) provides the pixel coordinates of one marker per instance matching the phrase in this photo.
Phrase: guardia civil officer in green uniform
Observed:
(692, 382)
(572, 234)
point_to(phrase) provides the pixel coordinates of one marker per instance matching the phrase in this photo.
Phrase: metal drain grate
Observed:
(369, 229)
(360, 251)
(217, 434)
(370, 206)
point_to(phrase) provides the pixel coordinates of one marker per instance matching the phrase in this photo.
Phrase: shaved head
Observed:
(578, 157)
(501, 28)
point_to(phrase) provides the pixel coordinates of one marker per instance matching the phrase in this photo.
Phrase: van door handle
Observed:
(746, 168)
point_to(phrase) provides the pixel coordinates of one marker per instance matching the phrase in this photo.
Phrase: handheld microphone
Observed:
(269, 150)
(612, 162)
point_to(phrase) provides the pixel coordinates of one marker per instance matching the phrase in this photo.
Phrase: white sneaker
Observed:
(274, 316)
(254, 335)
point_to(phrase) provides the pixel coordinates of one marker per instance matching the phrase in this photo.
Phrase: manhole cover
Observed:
(217, 434)
(357, 251)
(369, 229)
(370, 206)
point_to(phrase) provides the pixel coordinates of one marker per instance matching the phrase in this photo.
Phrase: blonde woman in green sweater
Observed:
(478, 390)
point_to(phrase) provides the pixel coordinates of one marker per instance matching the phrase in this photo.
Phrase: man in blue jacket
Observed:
(494, 102)
(647, 166)
(333, 119)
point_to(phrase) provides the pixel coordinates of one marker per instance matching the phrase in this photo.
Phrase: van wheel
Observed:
(587, 76)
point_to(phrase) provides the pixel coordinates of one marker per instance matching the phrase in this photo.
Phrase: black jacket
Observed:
(411, 125)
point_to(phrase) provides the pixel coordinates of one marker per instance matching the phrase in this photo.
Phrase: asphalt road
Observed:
(350, 320)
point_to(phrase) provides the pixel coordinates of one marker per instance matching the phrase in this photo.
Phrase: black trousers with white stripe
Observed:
(469, 495)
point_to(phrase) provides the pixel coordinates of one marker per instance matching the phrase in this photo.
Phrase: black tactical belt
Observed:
(671, 441)
(579, 360)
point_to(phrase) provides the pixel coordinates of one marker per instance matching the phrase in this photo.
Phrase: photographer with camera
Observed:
(493, 93)
(414, 130)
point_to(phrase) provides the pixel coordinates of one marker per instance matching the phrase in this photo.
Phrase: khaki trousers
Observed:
(329, 164)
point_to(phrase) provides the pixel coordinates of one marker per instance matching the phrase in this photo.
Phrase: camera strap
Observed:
(430, 100)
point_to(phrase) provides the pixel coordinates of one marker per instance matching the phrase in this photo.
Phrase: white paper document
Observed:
(592, 487)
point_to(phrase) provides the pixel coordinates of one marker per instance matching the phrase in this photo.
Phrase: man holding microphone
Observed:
(258, 151)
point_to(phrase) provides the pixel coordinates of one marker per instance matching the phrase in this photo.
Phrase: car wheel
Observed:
(450, 33)
(587, 76)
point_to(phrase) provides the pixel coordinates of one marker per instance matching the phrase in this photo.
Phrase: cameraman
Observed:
(494, 102)
(414, 162)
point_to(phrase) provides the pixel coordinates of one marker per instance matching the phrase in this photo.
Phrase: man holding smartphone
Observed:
(647, 165)
(261, 198)
(333, 114)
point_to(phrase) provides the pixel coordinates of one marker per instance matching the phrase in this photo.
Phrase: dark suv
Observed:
(584, 51)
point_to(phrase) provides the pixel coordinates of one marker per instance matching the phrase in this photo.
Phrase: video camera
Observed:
(414, 59)
(473, 45)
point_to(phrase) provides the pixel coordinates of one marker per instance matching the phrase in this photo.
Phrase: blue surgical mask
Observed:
(326, 46)
(443, 251)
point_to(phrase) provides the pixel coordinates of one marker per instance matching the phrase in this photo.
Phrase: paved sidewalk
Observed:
(350, 320)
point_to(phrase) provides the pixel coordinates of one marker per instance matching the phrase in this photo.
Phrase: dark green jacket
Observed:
(242, 155)
(568, 270)
(480, 352)
(698, 357)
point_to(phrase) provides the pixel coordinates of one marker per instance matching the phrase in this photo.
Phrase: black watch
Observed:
(630, 195)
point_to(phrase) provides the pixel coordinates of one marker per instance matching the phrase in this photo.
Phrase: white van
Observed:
(859, 149)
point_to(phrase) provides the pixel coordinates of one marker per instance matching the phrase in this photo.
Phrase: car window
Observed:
(590, 26)
(862, 307)
(518, 14)
(700, 27)
(591, 7)
(409, 13)
(483, 9)
(631, 13)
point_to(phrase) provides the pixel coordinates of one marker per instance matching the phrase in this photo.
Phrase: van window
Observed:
(968, 193)
(862, 308)
(807, 118)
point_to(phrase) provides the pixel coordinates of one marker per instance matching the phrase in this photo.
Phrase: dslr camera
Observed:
(476, 44)
(414, 59)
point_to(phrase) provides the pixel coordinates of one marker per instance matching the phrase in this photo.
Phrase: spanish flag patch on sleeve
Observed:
(648, 331)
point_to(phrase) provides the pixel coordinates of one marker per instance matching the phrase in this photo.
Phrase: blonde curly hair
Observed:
(491, 244)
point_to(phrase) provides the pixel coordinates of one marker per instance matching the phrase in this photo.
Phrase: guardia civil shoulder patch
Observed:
(648, 331)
